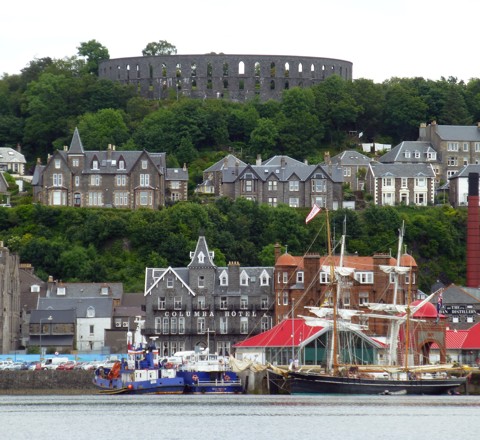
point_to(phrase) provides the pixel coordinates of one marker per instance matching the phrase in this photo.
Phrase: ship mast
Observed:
(407, 325)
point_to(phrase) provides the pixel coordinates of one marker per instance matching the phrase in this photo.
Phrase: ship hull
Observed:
(308, 383)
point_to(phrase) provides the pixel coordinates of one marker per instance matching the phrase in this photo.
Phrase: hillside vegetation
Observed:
(74, 244)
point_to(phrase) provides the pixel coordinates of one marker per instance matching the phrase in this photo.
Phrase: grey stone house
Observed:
(277, 180)
(203, 305)
(456, 146)
(354, 167)
(120, 179)
(12, 160)
(401, 183)
(458, 186)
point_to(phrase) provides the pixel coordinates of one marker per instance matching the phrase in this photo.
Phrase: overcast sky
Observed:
(382, 38)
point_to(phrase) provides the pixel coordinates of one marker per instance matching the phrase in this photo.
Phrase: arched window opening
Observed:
(241, 68)
(225, 69)
(209, 70)
(193, 69)
(287, 70)
(257, 69)
(272, 84)
(272, 70)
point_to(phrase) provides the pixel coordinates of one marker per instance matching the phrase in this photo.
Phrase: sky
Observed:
(382, 38)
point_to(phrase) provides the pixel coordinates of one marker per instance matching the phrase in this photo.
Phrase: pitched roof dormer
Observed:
(202, 257)
(76, 146)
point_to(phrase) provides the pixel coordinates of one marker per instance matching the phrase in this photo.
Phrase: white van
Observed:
(53, 363)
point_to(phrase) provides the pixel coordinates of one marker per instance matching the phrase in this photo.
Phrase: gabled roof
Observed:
(281, 335)
(228, 161)
(176, 174)
(87, 290)
(151, 281)
(465, 171)
(200, 251)
(9, 155)
(454, 294)
(103, 306)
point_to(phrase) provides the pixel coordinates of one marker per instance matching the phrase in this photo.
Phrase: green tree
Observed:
(161, 47)
(264, 138)
(93, 52)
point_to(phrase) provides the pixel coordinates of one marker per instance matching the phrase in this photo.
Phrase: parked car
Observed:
(5, 365)
(66, 366)
(16, 366)
(34, 365)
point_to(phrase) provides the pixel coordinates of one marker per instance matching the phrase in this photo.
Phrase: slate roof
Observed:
(397, 154)
(103, 306)
(76, 146)
(351, 158)
(458, 132)
(454, 294)
(9, 155)
(64, 315)
(402, 169)
(465, 171)
(176, 174)
(220, 165)
(86, 290)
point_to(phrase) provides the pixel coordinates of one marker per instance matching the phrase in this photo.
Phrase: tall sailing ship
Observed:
(342, 374)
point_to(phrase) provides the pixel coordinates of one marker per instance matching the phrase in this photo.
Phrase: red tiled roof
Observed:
(454, 339)
(289, 260)
(427, 311)
(281, 335)
(472, 341)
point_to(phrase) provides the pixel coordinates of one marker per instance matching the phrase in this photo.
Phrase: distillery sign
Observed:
(459, 310)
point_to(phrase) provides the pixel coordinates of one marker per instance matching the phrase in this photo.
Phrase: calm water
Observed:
(243, 417)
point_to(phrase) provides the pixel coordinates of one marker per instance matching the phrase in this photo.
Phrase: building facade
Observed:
(120, 179)
(401, 183)
(203, 305)
(221, 76)
(354, 167)
(12, 161)
(278, 180)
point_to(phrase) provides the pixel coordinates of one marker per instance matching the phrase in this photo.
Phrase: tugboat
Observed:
(141, 373)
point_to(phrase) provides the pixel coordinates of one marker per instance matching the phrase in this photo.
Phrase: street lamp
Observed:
(43, 319)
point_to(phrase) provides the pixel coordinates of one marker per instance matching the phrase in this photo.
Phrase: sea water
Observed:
(242, 417)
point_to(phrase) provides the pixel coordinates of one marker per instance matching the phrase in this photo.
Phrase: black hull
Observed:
(308, 383)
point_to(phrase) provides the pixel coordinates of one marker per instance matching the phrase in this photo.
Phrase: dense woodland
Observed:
(41, 106)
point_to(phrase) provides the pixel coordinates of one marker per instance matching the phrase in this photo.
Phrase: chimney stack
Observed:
(473, 232)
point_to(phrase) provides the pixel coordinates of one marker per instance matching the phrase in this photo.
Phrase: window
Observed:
(121, 164)
(201, 281)
(75, 162)
(420, 199)
(244, 302)
(248, 185)
(421, 182)
(173, 325)
(272, 185)
(177, 303)
(324, 278)
(319, 185)
(181, 325)
(465, 161)
(144, 164)
(166, 323)
(285, 277)
(388, 198)
(169, 282)
(145, 198)
(417, 154)
(364, 277)
(363, 298)
(477, 147)
(272, 201)
(223, 325)
(452, 161)
(452, 146)
(201, 302)
(264, 279)
(57, 179)
(223, 303)
(61, 291)
(92, 330)
(57, 163)
(201, 257)
(294, 185)
(300, 276)
(346, 299)
(158, 325)
(121, 198)
(404, 182)
(121, 180)
(285, 298)
(144, 179)
(264, 302)
(224, 279)
(265, 323)
(387, 181)
(162, 302)
(223, 348)
(91, 312)
(465, 146)
(104, 290)
(175, 184)
(293, 202)
(95, 198)
(77, 180)
(407, 154)
(95, 180)
(243, 325)
(243, 279)
(95, 165)
(347, 172)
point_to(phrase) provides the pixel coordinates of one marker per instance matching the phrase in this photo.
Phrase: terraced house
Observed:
(279, 179)
(110, 178)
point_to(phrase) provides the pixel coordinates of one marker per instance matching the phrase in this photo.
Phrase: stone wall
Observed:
(234, 77)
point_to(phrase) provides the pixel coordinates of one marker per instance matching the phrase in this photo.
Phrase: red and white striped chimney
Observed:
(473, 232)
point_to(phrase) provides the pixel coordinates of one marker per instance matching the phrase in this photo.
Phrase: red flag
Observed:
(315, 210)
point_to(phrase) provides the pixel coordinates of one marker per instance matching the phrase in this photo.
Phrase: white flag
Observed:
(315, 210)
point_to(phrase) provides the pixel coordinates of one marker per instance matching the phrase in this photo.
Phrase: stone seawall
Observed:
(47, 382)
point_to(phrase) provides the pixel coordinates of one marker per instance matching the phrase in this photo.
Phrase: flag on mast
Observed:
(315, 210)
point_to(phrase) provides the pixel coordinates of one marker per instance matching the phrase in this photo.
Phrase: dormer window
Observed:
(35, 288)
(170, 283)
(57, 163)
(224, 279)
(144, 164)
(121, 164)
(104, 290)
(61, 291)
(300, 276)
(95, 164)
(201, 257)
(91, 312)
(244, 279)
(264, 279)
